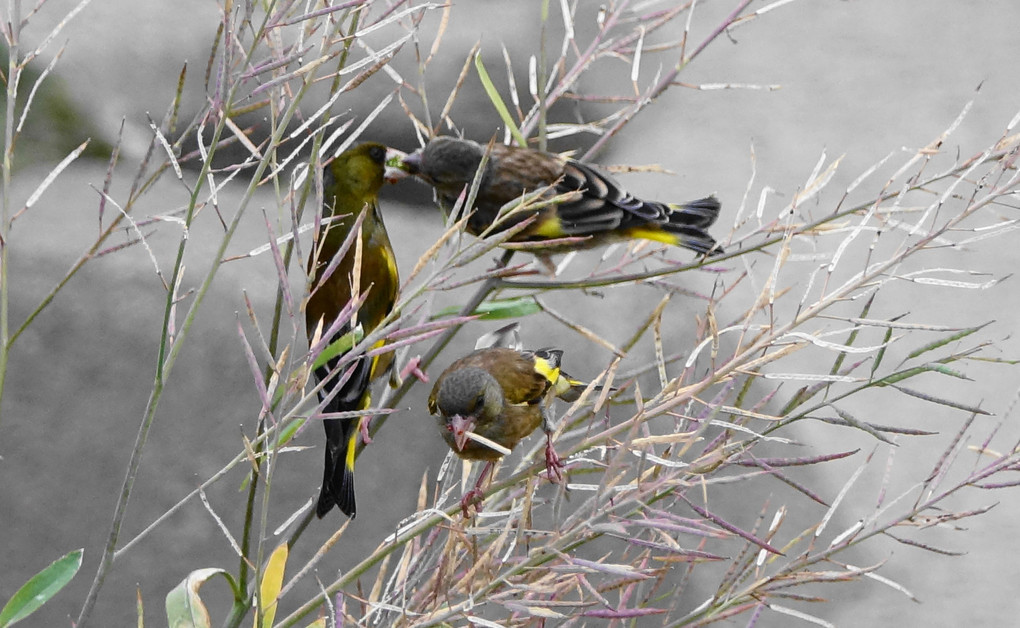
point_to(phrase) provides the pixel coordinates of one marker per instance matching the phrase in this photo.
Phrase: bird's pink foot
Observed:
(553, 464)
(413, 368)
(474, 498)
(363, 426)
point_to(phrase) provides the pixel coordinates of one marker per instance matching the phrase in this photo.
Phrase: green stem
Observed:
(167, 354)
(13, 25)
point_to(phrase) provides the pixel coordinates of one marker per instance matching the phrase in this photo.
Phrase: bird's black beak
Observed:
(460, 426)
(412, 163)
(394, 167)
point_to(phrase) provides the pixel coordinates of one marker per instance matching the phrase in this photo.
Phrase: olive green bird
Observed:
(351, 184)
(574, 199)
(499, 394)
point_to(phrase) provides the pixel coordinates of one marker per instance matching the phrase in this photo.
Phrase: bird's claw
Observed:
(474, 498)
(413, 367)
(553, 464)
(363, 425)
(547, 265)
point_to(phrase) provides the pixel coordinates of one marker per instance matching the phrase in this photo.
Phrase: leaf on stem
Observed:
(272, 582)
(497, 102)
(184, 607)
(40, 588)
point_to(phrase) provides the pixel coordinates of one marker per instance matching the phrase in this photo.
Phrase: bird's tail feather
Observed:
(700, 213)
(686, 225)
(338, 481)
(341, 439)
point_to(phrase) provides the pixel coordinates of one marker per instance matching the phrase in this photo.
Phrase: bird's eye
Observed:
(480, 400)
(377, 153)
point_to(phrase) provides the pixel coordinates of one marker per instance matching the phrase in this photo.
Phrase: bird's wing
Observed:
(508, 336)
(603, 204)
(515, 371)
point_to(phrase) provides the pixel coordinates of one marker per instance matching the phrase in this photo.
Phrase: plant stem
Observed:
(169, 348)
(13, 30)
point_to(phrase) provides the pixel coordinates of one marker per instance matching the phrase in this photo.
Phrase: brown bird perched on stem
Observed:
(568, 199)
(499, 396)
(367, 269)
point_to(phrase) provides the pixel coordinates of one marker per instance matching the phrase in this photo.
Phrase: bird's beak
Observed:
(460, 426)
(394, 169)
(412, 163)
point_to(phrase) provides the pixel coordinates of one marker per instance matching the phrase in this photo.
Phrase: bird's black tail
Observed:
(337, 477)
(341, 439)
(688, 223)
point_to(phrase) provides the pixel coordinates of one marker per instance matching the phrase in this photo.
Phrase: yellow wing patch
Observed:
(656, 235)
(375, 373)
(548, 226)
(352, 444)
(391, 263)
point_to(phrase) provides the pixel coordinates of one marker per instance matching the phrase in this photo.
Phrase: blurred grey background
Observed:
(861, 78)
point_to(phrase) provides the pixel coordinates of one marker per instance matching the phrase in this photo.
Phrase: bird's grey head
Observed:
(470, 392)
(451, 161)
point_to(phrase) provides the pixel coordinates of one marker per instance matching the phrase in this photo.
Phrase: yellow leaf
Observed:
(272, 582)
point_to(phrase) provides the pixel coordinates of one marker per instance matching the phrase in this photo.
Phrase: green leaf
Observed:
(139, 607)
(497, 102)
(184, 608)
(899, 376)
(945, 370)
(850, 420)
(40, 588)
(497, 309)
(944, 341)
(288, 432)
(941, 401)
(853, 336)
(798, 398)
(881, 352)
(340, 346)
